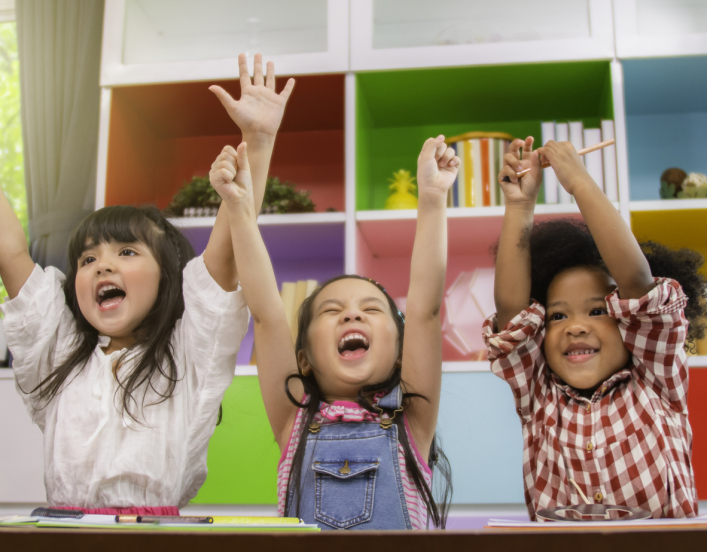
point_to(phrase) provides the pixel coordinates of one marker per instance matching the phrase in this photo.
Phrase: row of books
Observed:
(600, 164)
(481, 155)
(293, 295)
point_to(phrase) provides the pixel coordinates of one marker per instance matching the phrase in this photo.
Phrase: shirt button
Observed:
(588, 407)
(598, 497)
(603, 390)
(589, 446)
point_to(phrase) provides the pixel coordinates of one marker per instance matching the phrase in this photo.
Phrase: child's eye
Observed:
(88, 259)
(556, 316)
(598, 312)
(127, 253)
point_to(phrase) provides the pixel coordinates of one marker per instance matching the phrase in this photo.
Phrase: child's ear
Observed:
(305, 367)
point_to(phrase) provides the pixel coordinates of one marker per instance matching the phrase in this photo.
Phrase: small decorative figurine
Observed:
(402, 185)
(694, 186)
(671, 182)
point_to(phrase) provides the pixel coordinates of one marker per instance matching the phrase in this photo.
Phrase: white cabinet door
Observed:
(659, 28)
(151, 41)
(387, 34)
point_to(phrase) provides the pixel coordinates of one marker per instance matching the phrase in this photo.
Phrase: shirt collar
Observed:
(614, 381)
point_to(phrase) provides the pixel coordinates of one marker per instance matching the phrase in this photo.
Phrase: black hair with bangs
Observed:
(561, 244)
(437, 510)
(172, 251)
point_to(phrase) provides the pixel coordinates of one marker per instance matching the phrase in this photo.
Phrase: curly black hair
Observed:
(560, 244)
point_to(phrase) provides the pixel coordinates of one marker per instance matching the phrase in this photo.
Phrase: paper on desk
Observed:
(662, 522)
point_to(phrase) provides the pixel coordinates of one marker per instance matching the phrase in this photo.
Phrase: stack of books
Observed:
(600, 164)
(481, 155)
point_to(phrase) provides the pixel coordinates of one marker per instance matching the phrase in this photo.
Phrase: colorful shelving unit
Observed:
(365, 100)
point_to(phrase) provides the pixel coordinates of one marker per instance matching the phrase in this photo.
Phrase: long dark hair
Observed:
(172, 251)
(437, 510)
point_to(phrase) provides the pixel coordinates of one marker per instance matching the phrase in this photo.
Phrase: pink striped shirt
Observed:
(352, 412)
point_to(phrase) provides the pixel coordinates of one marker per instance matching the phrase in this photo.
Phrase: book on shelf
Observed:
(593, 160)
(481, 156)
(293, 295)
(562, 134)
(611, 180)
(550, 184)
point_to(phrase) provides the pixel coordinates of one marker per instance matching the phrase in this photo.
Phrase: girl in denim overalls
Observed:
(355, 447)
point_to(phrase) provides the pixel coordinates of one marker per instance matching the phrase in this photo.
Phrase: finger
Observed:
(440, 150)
(447, 156)
(258, 70)
(223, 175)
(228, 165)
(243, 71)
(512, 161)
(507, 174)
(223, 156)
(528, 147)
(270, 78)
(224, 97)
(428, 149)
(230, 150)
(288, 89)
(243, 157)
(515, 146)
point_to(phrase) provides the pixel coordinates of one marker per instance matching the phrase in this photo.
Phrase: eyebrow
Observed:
(590, 300)
(341, 304)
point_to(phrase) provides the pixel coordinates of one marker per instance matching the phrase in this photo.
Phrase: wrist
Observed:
(259, 139)
(583, 185)
(240, 209)
(524, 208)
(434, 197)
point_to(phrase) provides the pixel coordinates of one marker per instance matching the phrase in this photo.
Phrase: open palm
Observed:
(260, 108)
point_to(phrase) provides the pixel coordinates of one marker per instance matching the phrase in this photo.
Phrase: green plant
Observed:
(197, 193)
(281, 197)
(667, 191)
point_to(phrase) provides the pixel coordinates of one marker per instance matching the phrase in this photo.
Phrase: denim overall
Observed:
(350, 476)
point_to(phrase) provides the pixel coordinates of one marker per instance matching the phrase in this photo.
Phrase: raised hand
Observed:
(437, 167)
(260, 108)
(230, 177)
(522, 190)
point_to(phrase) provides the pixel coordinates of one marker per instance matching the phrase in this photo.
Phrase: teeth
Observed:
(353, 336)
(585, 352)
(108, 287)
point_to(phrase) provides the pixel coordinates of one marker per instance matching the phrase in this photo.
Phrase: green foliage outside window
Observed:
(12, 177)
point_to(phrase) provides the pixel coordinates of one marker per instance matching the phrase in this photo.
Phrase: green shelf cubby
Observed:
(397, 110)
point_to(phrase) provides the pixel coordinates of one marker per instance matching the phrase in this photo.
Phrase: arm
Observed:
(618, 247)
(273, 339)
(258, 115)
(422, 350)
(15, 263)
(512, 277)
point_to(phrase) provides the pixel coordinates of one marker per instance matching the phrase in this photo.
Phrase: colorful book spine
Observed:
(592, 160)
(485, 173)
(550, 184)
(562, 134)
(611, 180)
(477, 176)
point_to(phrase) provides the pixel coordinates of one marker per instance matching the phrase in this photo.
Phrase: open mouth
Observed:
(109, 296)
(353, 344)
(580, 355)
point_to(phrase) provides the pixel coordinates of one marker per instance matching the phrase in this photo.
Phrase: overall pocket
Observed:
(344, 490)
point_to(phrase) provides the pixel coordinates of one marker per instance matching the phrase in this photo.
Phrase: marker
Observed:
(121, 518)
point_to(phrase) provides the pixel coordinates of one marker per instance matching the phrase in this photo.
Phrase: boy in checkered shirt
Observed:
(596, 359)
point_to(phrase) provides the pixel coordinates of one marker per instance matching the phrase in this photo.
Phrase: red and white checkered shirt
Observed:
(630, 444)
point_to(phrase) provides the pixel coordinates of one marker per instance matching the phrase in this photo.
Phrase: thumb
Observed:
(242, 152)
(224, 97)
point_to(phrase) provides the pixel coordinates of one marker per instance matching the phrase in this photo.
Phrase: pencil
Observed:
(583, 151)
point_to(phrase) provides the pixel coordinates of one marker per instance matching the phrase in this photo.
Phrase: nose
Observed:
(353, 315)
(576, 327)
(103, 266)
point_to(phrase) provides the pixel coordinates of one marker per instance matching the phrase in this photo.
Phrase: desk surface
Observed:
(511, 540)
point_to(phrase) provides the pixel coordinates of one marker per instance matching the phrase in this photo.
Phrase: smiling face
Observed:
(117, 286)
(582, 344)
(352, 340)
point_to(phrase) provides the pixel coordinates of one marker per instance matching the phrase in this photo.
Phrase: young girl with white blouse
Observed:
(123, 362)
(355, 448)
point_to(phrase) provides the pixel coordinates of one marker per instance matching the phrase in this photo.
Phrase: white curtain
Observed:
(59, 46)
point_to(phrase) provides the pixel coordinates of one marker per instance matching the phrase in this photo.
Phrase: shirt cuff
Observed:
(522, 327)
(666, 297)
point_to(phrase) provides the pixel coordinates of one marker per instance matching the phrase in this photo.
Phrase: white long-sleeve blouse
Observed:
(96, 456)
